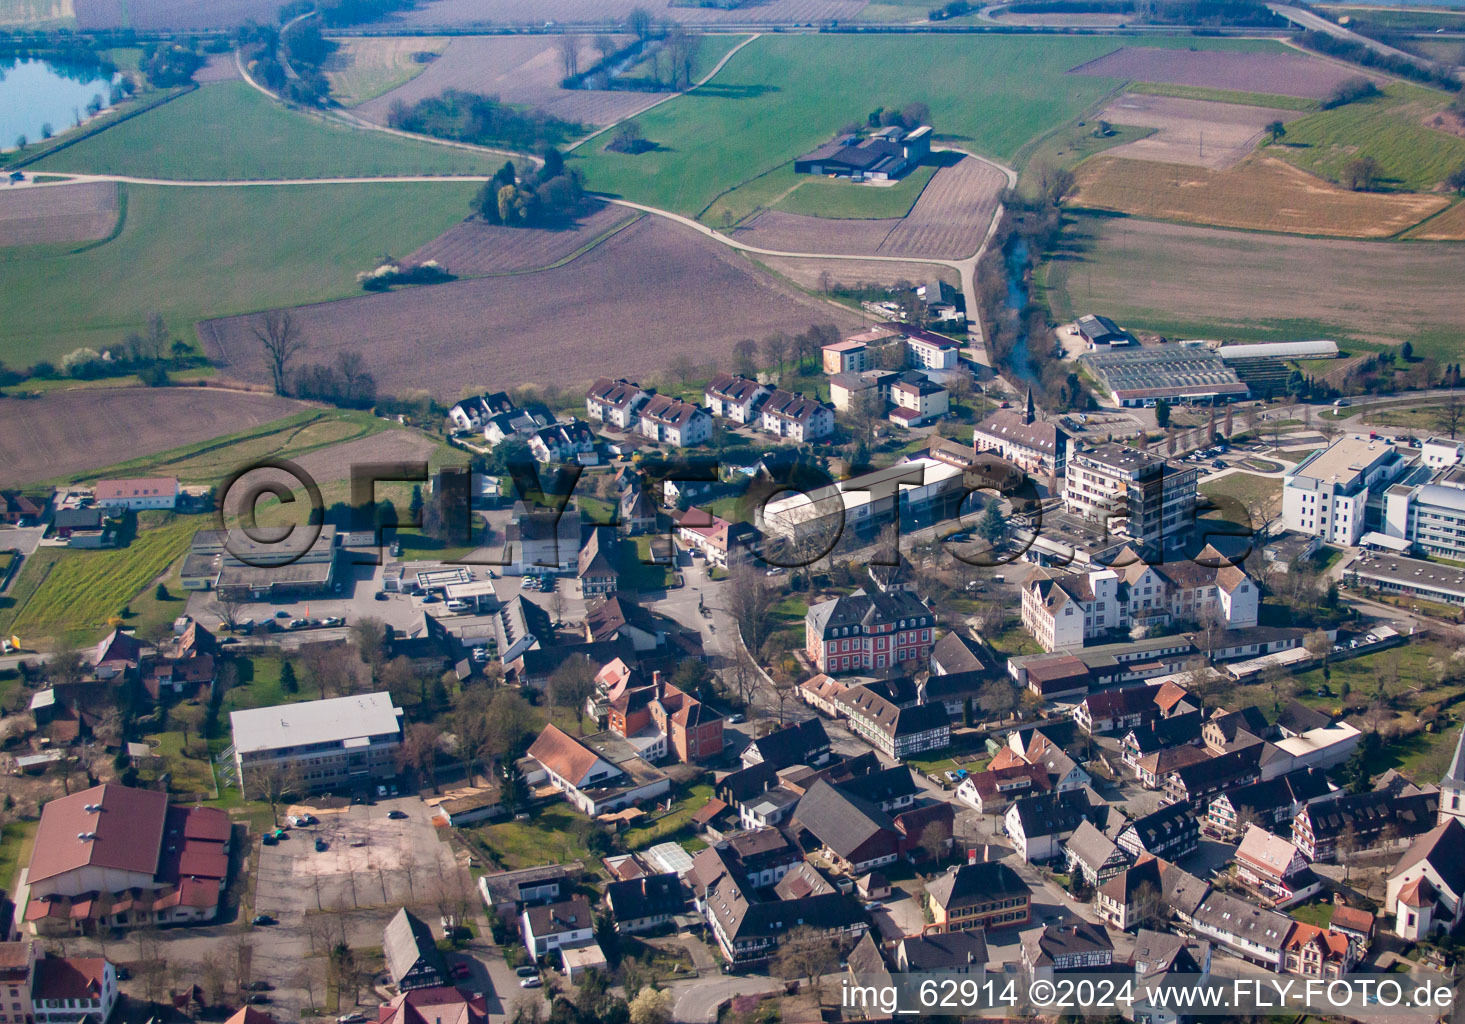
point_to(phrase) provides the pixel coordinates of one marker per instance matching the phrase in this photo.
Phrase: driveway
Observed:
(899, 917)
(697, 1001)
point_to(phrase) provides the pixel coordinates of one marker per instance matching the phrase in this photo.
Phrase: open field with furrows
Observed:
(1204, 283)
(517, 69)
(534, 13)
(988, 94)
(1392, 128)
(811, 273)
(1261, 193)
(953, 214)
(67, 433)
(789, 232)
(1449, 226)
(650, 289)
(57, 213)
(178, 15)
(218, 67)
(1287, 73)
(364, 67)
(228, 131)
(60, 592)
(35, 13)
(1199, 132)
(476, 248)
(190, 253)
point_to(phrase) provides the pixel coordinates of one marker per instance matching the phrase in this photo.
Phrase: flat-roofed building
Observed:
(1146, 498)
(1136, 377)
(340, 741)
(921, 487)
(302, 565)
(1327, 494)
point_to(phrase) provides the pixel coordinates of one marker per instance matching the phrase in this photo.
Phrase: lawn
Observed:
(1247, 488)
(665, 827)
(364, 68)
(15, 840)
(72, 593)
(825, 197)
(553, 835)
(193, 253)
(1390, 128)
(1319, 914)
(781, 96)
(229, 131)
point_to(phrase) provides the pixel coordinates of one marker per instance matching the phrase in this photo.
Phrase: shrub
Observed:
(1350, 91)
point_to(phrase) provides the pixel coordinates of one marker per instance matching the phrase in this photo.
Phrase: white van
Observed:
(458, 606)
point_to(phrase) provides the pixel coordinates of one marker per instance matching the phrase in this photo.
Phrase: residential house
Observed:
(1133, 896)
(17, 974)
(473, 413)
(1039, 825)
(989, 792)
(953, 952)
(1158, 957)
(897, 731)
(443, 1005)
(721, 542)
(73, 990)
(784, 414)
(553, 926)
(762, 856)
(641, 904)
(1274, 869)
(1254, 934)
(1034, 445)
(1426, 889)
(748, 931)
(596, 572)
(819, 692)
(803, 742)
(675, 422)
(857, 836)
(1226, 731)
(1094, 855)
(1055, 948)
(615, 402)
(1118, 710)
(1042, 746)
(926, 350)
(596, 780)
(1315, 952)
(1268, 803)
(1197, 783)
(564, 442)
(508, 892)
(865, 631)
(986, 895)
(412, 956)
(1148, 741)
(636, 512)
(1170, 833)
(1364, 820)
(733, 397)
(1357, 924)
(883, 155)
(16, 507)
(182, 667)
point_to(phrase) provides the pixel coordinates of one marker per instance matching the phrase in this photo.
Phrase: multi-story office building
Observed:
(1327, 494)
(338, 742)
(1138, 495)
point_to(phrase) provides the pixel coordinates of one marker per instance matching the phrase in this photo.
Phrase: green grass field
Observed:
(230, 132)
(15, 841)
(1391, 128)
(823, 197)
(1200, 92)
(191, 253)
(780, 96)
(68, 593)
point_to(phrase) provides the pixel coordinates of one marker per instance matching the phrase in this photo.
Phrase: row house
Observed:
(1153, 770)
(795, 417)
(473, 413)
(1094, 855)
(1038, 747)
(1149, 740)
(1256, 935)
(734, 397)
(1269, 803)
(1117, 710)
(865, 631)
(675, 422)
(615, 402)
(985, 895)
(1274, 868)
(1363, 820)
(1056, 948)
(564, 442)
(1039, 825)
(1314, 952)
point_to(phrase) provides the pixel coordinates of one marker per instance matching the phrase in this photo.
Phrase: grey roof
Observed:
(1157, 953)
(794, 744)
(867, 610)
(842, 822)
(1042, 946)
(1052, 814)
(1444, 848)
(1457, 763)
(945, 951)
(406, 942)
(882, 786)
(333, 720)
(647, 896)
(1163, 826)
(865, 959)
(1090, 845)
(1299, 718)
(1229, 915)
(976, 883)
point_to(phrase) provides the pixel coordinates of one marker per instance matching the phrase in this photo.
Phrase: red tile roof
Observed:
(69, 978)
(125, 834)
(206, 823)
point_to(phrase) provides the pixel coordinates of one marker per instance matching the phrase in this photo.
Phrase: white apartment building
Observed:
(735, 398)
(1442, 452)
(928, 351)
(1430, 516)
(675, 422)
(917, 400)
(1327, 494)
(340, 741)
(1138, 495)
(615, 402)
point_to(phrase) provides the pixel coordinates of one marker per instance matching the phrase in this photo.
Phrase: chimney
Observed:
(660, 685)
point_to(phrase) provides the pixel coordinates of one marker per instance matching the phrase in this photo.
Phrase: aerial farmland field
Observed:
(58, 214)
(212, 252)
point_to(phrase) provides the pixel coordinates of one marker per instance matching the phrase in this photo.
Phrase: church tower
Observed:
(1452, 786)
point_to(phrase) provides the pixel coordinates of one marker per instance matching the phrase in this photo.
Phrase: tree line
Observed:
(481, 120)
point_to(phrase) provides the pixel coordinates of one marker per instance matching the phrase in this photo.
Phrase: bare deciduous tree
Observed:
(282, 341)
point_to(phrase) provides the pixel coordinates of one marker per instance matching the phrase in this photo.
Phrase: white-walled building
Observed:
(928, 351)
(918, 400)
(1431, 517)
(795, 417)
(1442, 452)
(734, 398)
(1138, 495)
(674, 422)
(139, 494)
(615, 402)
(340, 741)
(1327, 494)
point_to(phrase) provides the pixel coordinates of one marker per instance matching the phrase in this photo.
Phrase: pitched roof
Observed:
(249, 1015)
(1010, 425)
(1090, 845)
(615, 393)
(1042, 947)
(793, 744)
(124, 832)
(670, 411)
(568, 915)
(1443, 847)
(1161, 826)
(1051, 814)
(1353, 919)
(969, 884)
(646, 896)
(406, 940)
(944, 951)
(865, 610)
(840, 821)
(1262, 849)
(562, 754)
(443, 1004)
(1334, 945)
(69, 978)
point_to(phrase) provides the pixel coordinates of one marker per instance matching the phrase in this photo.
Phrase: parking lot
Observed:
(369, 860)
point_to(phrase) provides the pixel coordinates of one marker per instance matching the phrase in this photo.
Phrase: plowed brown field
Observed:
(1199, 132)
(648, 293)
(57, 213)
(1447, 227)
(468, 13)
(475, 248)
(1281, 74)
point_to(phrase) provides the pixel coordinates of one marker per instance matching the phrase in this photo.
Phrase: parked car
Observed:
(530, 983)
(381, 595)
(259, 998)
(301, 820)
(263, 920)
(950, 776)
(333, 620)
(461, 970)
(282, 614)
(396, 815)
(350, 1018)
(259, 986)
(269, 839)
(527, 971)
